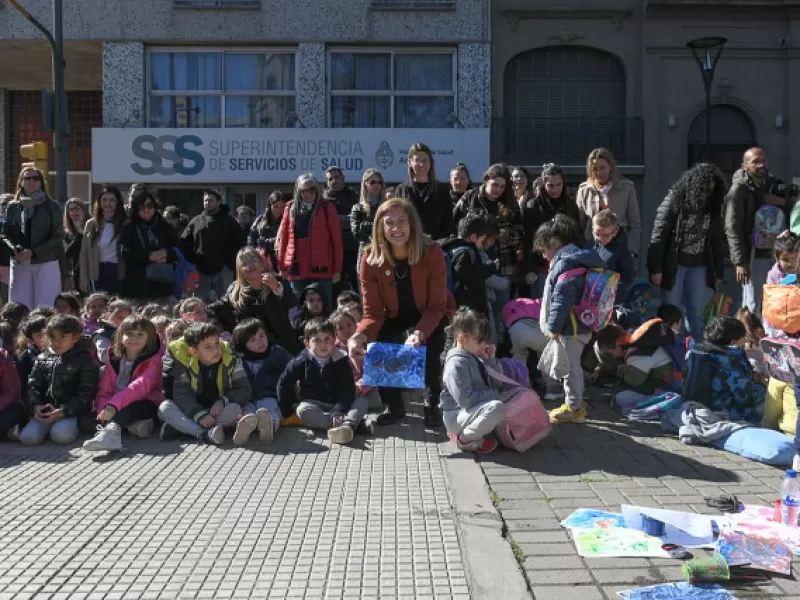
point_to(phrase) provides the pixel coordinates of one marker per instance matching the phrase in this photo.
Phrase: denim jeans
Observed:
(108, 280)
(691, 294)
(753, 289)
(218, 282)
(270, 404)
(64, 431)
(327, 287)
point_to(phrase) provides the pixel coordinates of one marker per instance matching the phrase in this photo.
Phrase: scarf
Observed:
(148, 236)
(249, 356)
(29, 204)
(604, 191)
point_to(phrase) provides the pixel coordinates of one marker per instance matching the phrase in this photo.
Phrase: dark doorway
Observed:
(731, 134)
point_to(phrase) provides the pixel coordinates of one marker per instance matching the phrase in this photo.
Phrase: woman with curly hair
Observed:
(687, 246)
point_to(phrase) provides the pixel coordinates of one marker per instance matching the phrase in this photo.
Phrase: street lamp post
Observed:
(706, 52)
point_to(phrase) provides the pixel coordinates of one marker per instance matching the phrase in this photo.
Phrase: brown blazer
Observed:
(429, 281)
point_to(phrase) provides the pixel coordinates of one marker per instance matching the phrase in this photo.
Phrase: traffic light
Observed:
(36, 155)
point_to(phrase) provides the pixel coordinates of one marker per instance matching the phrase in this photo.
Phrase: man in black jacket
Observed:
(210, 242)
(343, 198)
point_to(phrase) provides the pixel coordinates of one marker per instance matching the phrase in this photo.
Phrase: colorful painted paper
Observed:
(617, 541)
(587, 518)
(678, 591)
(682, 528)
(395, 365)
(758, 520)
(755, 551)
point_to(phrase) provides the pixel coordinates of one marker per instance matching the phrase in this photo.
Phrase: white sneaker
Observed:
(244, 428)
(215, 435)
(107, 438)
(341, 435)
(266, 427)
(142, 429)
(796, 462)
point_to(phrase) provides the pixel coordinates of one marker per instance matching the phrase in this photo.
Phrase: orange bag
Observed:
(781, 307)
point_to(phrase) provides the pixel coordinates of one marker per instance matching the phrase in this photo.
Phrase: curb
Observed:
(492, 569)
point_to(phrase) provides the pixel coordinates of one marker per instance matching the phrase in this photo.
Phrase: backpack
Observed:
(782, 359)
(516, 370)
(781, 307)
(521, 308)
(449, 257)
(770, 221)
(186, 276)
(718, 306)
(638, 297)
(596, 305)
(526, 422)
(679, 350)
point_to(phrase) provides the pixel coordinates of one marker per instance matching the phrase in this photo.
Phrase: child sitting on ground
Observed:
(345, 323)
(68, 304)
(118, 311)
(175, 330)
(558, 241)
(470, 401)
(153, 310)
(93, 310)
(205, 385)
(31, 342)
(311, 304)
(62, 384)
(350, 299)
(785, 250)
(643, 359)
(752, 341)
(718, 374)
(326, 394)
(193, 310)
(12, 409)
(130, 389)
(161, 323)
(611, 244)
(264, 364)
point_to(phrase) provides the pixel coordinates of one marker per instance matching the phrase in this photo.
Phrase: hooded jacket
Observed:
(344, 200)
(146, 382)
(564, 295)
(10, 388)
(469, 274)
(318, 253)
(67, 381)
(211, 241)
(744, 198)
(183, 382)
(618, 258)
(332, 384)
(466, 382)
(303, 316)
(42, 232)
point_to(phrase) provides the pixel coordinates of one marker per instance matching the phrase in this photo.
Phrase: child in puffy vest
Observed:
(558, 241)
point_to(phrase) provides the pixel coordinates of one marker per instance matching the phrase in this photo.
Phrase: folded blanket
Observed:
(698, 424)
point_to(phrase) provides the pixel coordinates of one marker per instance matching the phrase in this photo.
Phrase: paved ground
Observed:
(403, 515)
(603, 464)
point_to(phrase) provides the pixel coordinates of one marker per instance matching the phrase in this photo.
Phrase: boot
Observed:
(433, 416)
(391, 415)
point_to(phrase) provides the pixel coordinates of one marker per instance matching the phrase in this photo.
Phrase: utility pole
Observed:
(59, 119)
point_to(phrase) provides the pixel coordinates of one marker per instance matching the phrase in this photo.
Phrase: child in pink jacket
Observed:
(12, 410)
(131, 387)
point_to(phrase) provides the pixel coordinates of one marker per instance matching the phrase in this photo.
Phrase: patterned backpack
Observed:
(596, 305)
(770, 222)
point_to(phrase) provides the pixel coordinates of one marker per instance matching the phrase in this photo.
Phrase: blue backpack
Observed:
(186, 276)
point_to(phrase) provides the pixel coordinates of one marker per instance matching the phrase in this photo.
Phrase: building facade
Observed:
(246, 95)
(571, 76)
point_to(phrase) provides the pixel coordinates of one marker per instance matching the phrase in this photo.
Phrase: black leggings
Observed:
(13, 415)
(136, 411)
(396, 331)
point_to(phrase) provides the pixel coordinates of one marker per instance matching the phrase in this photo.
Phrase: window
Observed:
(391, 89)
(221, 89)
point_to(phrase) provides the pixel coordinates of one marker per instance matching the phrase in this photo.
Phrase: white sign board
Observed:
(252, 156)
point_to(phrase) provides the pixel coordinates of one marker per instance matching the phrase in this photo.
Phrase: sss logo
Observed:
(168, 155)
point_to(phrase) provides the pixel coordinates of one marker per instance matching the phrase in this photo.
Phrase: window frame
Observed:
(221, 93)
(392, 51)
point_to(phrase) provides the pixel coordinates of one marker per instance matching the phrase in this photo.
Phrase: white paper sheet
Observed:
(686, 529)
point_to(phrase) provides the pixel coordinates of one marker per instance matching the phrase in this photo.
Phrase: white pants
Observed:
(752, 291)
(476, 422)
(526, 335)
(35, 285)
(573, 383)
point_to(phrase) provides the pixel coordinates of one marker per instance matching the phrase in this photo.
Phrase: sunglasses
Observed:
(29, 178)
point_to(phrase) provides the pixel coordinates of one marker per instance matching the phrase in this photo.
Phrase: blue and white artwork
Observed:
(678, 591)
(395, 365)
(587, 518)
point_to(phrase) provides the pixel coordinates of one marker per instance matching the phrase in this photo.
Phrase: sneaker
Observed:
(291, 421)
(564, 414)
(107, 438)
(341, 435)
(483, 446)
(244, 428)
(142, 429)
(796, 462)
(215, 435)
(168, 432)
(433, 417)
(266, 426)
(13, 433)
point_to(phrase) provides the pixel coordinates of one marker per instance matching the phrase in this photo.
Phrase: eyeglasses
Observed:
(392, 224)
(31, 178)
(374, 182)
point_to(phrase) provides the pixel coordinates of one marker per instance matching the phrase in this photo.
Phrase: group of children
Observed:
(106, 366)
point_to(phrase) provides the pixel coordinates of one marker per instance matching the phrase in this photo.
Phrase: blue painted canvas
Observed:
(678, 591)
(587, 518)
(395, 365)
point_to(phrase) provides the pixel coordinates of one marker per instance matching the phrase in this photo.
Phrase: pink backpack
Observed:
(782, 359)
(521, 308)
(526, 422)
(596, 305)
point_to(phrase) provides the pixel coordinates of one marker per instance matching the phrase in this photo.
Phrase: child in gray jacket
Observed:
(470, 402)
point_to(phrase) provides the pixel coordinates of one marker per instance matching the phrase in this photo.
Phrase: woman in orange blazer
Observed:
(404, 290)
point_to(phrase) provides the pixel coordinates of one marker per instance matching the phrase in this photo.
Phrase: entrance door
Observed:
(255, 198)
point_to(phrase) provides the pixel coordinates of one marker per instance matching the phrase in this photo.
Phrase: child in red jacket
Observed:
(131, 388)
(12, 410)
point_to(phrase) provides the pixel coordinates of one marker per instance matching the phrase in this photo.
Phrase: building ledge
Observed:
(412, 5)
(731, 7)
(217, 4)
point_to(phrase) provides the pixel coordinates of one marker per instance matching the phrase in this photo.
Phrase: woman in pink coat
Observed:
(131, 386)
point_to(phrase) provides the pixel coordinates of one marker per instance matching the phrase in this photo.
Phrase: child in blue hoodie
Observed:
(558, 241)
